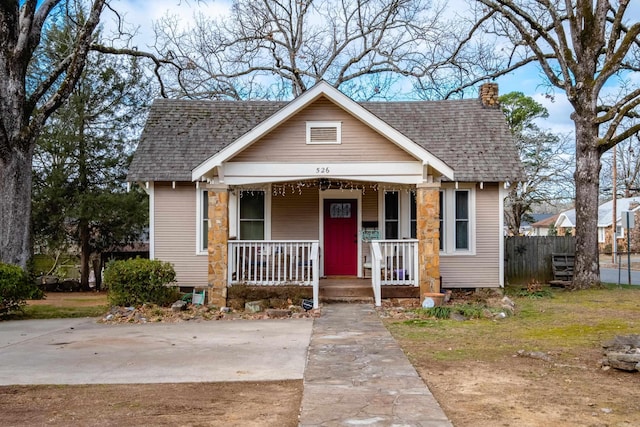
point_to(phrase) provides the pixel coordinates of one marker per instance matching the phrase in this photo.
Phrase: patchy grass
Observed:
(57, 305)
(473, 366)
(568, 322)
(52, 312)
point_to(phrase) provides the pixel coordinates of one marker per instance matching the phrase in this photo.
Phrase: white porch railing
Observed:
(274, 262)
(394, 262)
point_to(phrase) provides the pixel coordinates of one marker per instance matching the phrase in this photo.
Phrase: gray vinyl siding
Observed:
(481, 270)
(294, 216)
(175, 232)
(287, 142)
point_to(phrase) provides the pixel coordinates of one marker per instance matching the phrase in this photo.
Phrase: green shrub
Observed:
(15, 288)
(138, 281)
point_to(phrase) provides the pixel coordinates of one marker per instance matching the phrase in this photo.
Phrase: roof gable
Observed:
(301, 102)
(472, 140)
(287, 143)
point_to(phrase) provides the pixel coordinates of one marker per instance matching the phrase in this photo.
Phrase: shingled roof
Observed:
(472, 139)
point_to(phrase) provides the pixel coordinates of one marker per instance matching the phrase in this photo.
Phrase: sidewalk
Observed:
(356, 374)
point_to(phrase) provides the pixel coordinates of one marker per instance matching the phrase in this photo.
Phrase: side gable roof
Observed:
(180, 134)
(462, 135)
(474, 140)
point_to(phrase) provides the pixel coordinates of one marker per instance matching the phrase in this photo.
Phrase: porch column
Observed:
(217, 248)
(428, 235)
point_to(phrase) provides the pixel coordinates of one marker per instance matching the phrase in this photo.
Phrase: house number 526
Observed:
(323, 170)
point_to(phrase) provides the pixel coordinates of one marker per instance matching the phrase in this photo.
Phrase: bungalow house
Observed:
(565, 223)
(265, 193)
(543, 226)
(530, 225)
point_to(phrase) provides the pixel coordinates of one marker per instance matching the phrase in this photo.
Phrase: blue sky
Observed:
(528, 80)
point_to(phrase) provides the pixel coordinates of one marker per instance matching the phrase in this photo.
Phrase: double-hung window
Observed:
(391, 214)
(202, 198)
(414, 215)
(252, 215)
(462, 220)
(457, 220)
(441, 220)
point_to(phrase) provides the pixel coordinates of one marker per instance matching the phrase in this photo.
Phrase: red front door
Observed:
(340, 237)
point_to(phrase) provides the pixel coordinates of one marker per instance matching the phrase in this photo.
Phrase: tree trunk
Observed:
(587, 268)
(85, 252)
(15, 205)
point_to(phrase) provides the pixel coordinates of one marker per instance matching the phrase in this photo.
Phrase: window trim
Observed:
(448, 241)
(233, 213)
(601, 234)
(200, 250)
(329, 124)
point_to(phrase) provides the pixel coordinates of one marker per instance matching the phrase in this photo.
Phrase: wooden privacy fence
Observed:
(529, 257)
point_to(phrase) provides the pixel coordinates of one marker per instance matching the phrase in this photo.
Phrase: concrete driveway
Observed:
(81, 351)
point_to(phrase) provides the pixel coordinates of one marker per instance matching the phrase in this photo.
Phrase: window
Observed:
(601, 231)
(441, 220)
(414, 211)
(457, 220)
(619, 232)
(202, 226)
(391, 214)
(252, 219)
(324, 133)
(462, 220)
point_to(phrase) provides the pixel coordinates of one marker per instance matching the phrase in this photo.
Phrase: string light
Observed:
(293, 187)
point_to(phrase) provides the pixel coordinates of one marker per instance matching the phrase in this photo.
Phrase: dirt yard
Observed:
(541, 367)
(205, 404)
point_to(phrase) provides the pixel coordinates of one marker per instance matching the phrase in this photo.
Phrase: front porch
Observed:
(346, 226)
(394, 271)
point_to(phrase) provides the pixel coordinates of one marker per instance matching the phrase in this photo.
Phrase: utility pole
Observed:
(614, 222)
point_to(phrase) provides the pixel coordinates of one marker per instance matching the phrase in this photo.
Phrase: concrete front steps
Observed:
(353, 289)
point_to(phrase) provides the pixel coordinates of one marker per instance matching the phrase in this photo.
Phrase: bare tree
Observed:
(31, 91)
(24, 110)
(544, 157)
(628, 173)
(587, 49)
(277, 49)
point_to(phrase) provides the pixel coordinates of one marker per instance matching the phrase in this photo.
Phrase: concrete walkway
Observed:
(356, 374)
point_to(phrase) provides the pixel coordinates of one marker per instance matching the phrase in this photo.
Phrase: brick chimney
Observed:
(489, 95)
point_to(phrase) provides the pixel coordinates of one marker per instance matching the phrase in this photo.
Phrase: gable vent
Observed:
(323, 132)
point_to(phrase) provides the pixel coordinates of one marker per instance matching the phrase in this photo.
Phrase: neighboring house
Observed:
(605, 224)
(566, 223)
(527, 227)
(543, 226)
(268, 193)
